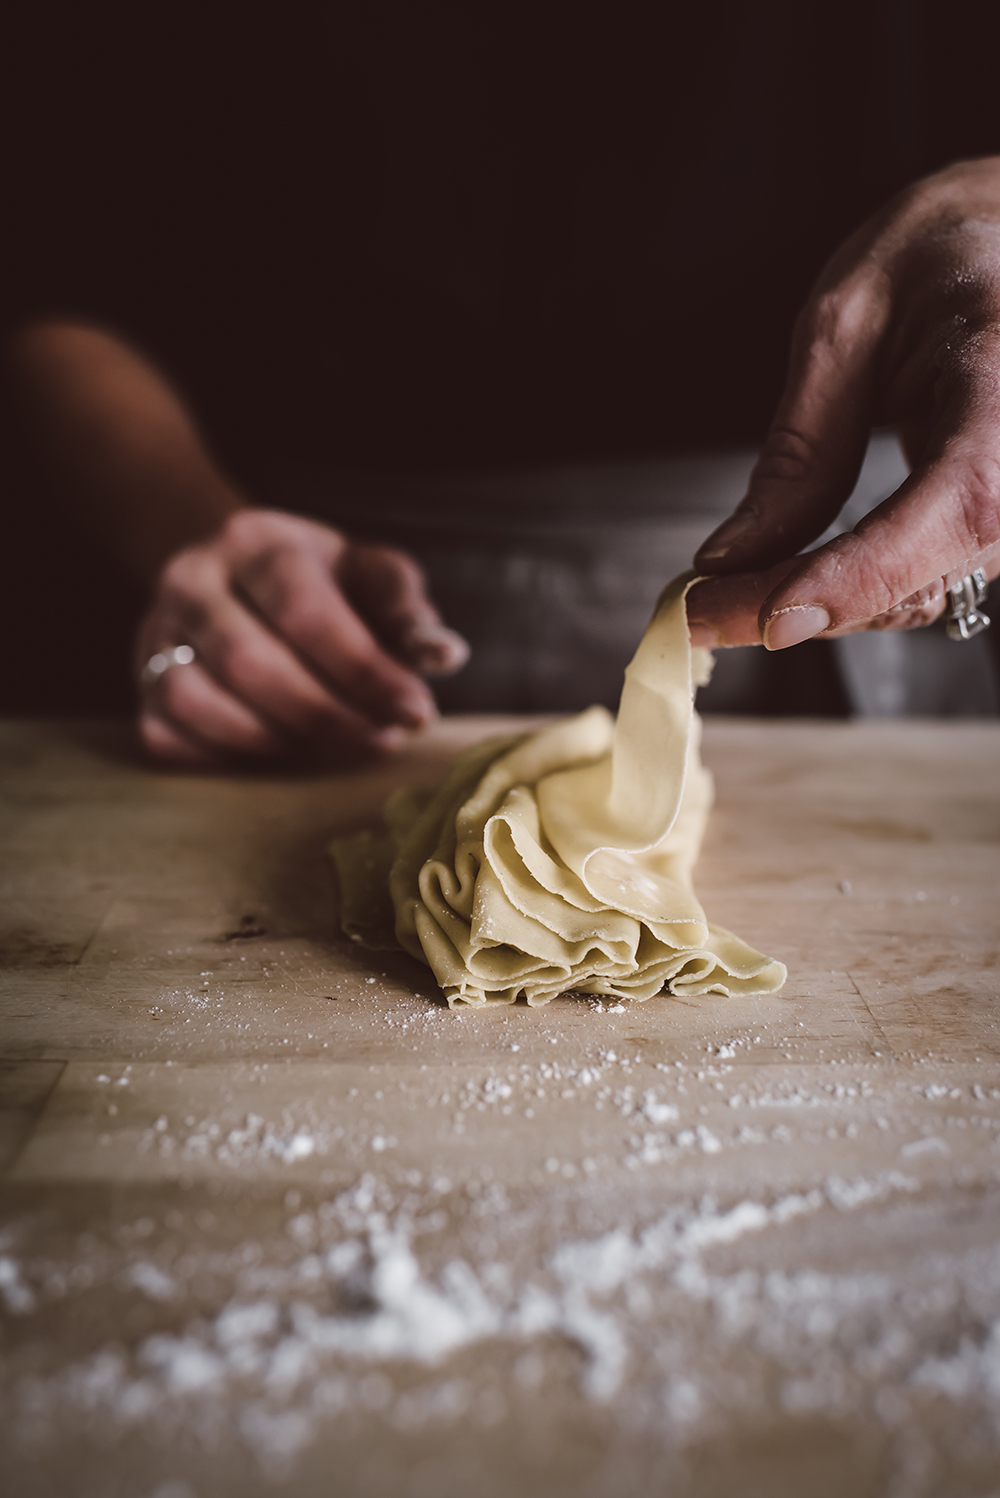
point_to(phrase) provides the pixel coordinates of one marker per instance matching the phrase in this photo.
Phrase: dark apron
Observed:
(552, 576)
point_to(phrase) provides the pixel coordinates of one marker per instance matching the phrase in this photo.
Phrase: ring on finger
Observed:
(965, 618)
(158, 664)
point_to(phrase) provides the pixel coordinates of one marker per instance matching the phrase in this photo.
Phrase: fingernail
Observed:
(729, 536)
(424, 634)
(434, 648)
(414, 706)
(413, 713)
(390, 740)
(704, 635)
(792, 626)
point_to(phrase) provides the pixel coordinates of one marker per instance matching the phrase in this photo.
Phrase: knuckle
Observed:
(183, 575)
(979, 504)
(788, 456)
(187, 586)
(923, 600)
(265, 574)
(395, 570)
(236, 661)
(364, 674)
(252, 537)
(878, 584)
(300, 619)
(919, 609)
(244, 528)
(901, 618)
(818, 320)
(250, 530)
(858, 580)
(401, 563)
(837, 315)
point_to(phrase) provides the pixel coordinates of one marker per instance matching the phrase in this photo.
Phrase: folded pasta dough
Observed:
(562, 859)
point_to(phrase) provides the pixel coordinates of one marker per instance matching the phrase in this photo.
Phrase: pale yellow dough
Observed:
(562, 860)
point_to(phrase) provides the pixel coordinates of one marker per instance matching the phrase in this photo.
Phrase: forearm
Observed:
(127, 451)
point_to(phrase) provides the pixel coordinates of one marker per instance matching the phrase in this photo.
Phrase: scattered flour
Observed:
(303, 1341)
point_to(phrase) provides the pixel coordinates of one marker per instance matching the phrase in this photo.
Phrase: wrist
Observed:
(180, 516)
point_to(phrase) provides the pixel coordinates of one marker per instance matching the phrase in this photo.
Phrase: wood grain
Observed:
(196, 1068)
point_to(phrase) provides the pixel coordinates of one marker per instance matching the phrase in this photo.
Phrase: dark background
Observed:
(434, 238)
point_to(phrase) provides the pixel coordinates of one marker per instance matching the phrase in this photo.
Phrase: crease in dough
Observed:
(562, 859)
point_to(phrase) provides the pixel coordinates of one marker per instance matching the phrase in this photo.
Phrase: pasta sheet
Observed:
(562, 859)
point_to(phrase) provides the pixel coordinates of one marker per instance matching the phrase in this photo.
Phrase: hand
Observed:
(903, 329)
(303, 642)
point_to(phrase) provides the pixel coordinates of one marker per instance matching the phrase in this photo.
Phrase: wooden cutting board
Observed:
(209, 1100)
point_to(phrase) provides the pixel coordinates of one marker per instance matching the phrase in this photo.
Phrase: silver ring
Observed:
(181, 655)
(965, 616)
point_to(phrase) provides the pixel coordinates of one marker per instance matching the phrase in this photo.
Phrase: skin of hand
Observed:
(305, 642)
(902, 329)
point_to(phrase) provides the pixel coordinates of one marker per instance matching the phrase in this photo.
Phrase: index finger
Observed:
(942, 523)
(724, 610)
(296, 593)
(813, 453)
(940, 526)
(388, 587)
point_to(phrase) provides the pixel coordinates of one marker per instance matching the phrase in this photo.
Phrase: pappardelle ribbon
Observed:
(562, 859)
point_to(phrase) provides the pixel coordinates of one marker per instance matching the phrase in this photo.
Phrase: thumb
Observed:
(814, 450)
(940, 525)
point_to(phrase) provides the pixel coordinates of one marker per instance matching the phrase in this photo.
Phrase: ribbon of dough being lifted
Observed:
(562, 859)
